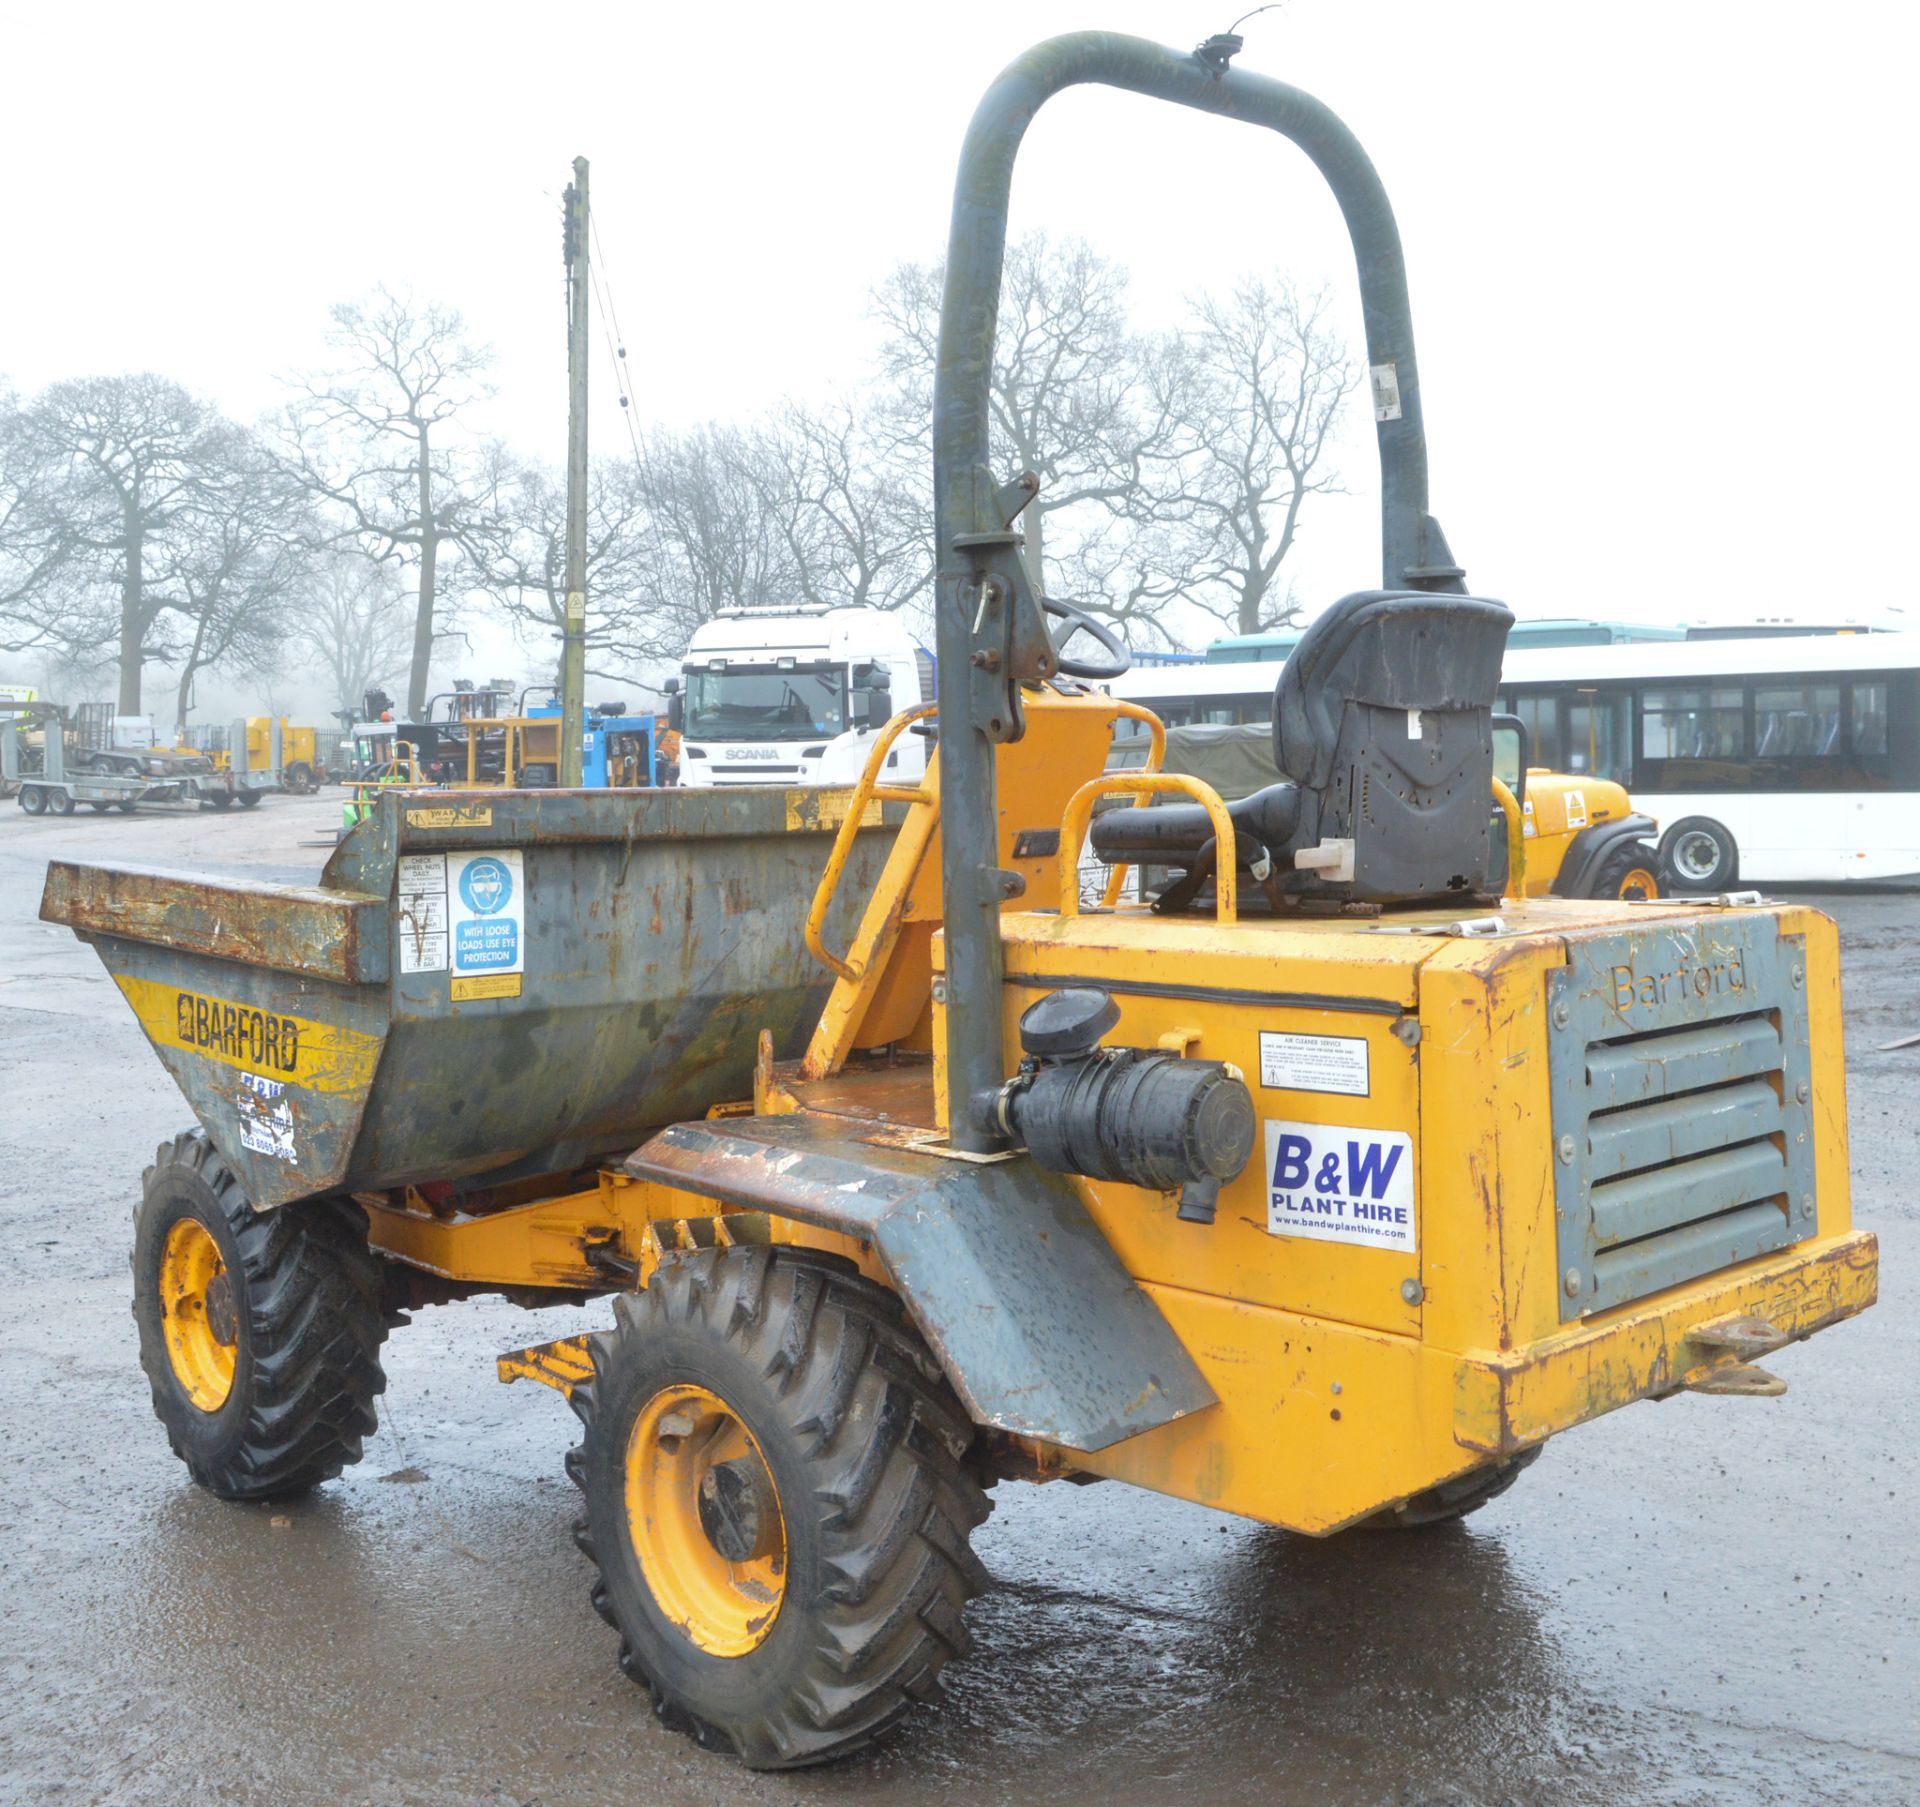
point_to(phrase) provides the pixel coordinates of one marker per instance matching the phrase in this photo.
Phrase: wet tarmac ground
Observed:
(1703, 1601)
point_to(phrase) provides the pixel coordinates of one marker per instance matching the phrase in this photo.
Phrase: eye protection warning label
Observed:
(1334, 1184)
(487, 915)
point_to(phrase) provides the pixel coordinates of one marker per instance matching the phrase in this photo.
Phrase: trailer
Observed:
(51, 789)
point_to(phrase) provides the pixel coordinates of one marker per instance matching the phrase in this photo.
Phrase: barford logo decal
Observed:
(1633, 989)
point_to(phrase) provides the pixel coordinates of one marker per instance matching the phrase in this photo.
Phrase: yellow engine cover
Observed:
(1383, 1301)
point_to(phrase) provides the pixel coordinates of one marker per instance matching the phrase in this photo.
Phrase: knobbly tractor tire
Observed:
(776, 1503)
(1453, 1499)
(1628, 872)
(260, 1331)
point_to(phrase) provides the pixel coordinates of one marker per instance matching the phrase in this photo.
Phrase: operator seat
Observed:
(1383, 718)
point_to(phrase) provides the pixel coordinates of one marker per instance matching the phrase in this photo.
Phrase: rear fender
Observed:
(1039, 1327)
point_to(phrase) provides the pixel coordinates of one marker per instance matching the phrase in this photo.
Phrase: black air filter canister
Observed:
(1138, 1115)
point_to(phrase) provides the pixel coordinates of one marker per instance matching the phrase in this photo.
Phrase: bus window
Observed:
(1597, 735)
(1867, 732)
(1693, 740)
(1542, 716)
(1799, 738)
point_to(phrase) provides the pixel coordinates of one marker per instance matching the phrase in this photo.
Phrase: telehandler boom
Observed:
(1326, 1191)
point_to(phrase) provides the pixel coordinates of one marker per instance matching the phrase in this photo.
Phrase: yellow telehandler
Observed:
(1325, 1189)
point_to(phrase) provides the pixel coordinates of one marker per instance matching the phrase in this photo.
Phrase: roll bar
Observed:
(990, 634)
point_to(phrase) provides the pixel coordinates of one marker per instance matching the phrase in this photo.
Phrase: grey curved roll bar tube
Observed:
(983, 661)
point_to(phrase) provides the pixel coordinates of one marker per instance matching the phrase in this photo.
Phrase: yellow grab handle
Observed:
(1073, 830)
(1516, 840)
(866, 791)
(1156, 757)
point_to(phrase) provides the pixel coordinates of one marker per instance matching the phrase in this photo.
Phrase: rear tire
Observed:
(1453, 1499)
(1698, 857)
(59, 803)
(220, 799)
(260, 1331)
(33, 799)
(839, 1617)
(250, 799)
(298, 778)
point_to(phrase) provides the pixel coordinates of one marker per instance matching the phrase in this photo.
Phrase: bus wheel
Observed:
(1698, 857)
(1629, 872)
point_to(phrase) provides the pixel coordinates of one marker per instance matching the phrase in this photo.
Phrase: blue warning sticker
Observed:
(486, 909)
(1331, 1183)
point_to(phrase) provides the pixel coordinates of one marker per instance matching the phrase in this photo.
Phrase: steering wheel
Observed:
(1120, 661)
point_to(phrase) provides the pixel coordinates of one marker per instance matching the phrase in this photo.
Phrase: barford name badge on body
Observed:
(1335, 1184)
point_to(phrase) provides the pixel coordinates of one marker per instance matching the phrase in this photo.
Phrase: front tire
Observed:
(1631, 871)
(775, 1503)
(260, 1331)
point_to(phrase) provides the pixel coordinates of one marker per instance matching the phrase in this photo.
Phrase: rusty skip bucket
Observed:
(508, 986)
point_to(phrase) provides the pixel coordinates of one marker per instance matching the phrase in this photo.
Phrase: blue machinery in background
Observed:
(614, 749)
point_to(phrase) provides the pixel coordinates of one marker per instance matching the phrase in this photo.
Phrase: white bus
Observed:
(1804, 746)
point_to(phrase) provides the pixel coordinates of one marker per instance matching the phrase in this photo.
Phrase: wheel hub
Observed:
(223, 1316)
(738, 1511)
(199, 1314)
(704, 1519)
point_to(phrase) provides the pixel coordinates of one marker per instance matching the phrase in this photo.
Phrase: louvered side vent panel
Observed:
(1682, 1110)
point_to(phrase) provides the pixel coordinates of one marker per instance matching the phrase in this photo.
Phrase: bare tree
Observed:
(99, 469)
(358, 625)
(526, 559)
(381, 440)
(711, 542)
(1075, 396)
(234, 558)
(1269, 378)
(36, 540)
(853, 534)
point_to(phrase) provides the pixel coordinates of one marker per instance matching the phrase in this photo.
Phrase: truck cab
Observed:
(796, 696)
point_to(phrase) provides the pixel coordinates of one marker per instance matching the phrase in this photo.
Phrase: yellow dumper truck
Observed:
(1316, 1191)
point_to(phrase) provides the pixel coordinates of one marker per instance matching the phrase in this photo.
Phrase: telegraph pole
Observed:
(573, 657)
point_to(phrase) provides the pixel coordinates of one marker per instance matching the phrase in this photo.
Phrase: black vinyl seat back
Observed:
(1383, 724)
(1383, 717)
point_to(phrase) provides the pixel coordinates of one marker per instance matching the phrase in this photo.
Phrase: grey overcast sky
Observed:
(1660, 253)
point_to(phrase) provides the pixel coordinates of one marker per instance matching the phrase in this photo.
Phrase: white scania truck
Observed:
(796, 695)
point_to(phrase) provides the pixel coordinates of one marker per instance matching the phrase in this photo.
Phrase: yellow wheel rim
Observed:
(198, 1314)
(1641, 880)
(705, 1520)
